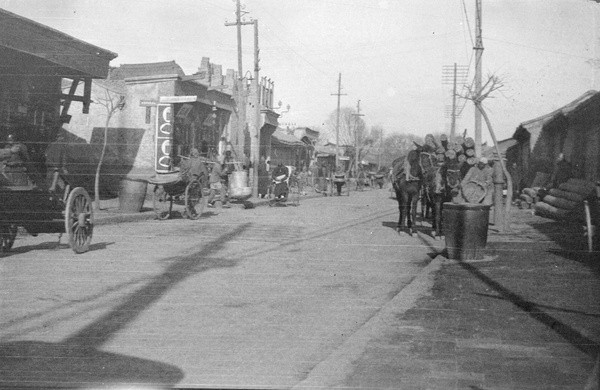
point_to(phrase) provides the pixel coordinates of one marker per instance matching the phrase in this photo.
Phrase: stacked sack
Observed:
(566, 201)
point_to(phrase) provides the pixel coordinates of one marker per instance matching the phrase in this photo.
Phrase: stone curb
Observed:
(331, 372)
(116, 217)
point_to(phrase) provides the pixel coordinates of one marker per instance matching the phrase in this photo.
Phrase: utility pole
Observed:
(255, 149)
(380, 148)
(337, 125)
(478, 54)
(452, 75)
(356, 116)
(242, 94)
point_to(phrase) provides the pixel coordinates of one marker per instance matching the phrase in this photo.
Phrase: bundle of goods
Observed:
(458, 151)
(566, 201)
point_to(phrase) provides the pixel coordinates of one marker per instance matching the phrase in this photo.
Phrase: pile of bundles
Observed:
(566, 201)
(460, 150)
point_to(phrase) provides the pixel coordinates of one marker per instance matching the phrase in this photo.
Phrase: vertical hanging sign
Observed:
(164, 137)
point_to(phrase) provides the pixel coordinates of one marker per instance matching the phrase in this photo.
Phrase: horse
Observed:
(406, 181)
(443, 185)
(427, 162)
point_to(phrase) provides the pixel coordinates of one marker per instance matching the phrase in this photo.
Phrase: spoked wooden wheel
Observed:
(163, 203)
(194, 201)
(8, 233)
(79, 220)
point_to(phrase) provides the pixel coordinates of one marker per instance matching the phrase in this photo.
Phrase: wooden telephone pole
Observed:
(337, 125)
(453, 75)
(478, 54)
(356, 116)
(243, 94)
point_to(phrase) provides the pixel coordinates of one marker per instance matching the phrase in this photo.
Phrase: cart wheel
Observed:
(8, 233)
(79, 220)
(163, 203)
(194, 201)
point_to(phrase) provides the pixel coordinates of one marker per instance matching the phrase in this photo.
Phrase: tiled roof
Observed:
(535, 126)
(150, 69)
(286, 139)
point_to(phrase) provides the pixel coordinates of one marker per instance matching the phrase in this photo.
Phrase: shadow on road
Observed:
(51, 245)
(78, 360)
(535, 311)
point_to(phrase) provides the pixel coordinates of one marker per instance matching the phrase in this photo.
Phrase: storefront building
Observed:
(36, 61)
(164, 115)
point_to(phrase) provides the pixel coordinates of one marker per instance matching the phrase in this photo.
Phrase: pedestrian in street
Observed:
(194, 167)
(216, 186)
(280, 175)
(339, 178)
(323, 176)
(482, 174)
(303, 181)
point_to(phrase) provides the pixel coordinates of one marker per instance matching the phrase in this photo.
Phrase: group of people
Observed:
(213, 174)
(282, 177)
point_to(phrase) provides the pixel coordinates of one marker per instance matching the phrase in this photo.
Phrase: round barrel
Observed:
(132, 193)
(466, 230)
(238, 185)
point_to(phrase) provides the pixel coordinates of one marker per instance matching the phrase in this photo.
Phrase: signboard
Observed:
(184, 110)
(164, 137)
(148, 103)
(179, 99)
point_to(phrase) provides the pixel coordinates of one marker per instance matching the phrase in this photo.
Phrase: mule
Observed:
(441, 184)
(444, 186)
(407, 188)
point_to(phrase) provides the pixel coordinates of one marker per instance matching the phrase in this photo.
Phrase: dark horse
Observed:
(406, 180)
(441, 184)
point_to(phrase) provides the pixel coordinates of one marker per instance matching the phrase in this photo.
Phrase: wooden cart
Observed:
(59, 210)
(170, 188)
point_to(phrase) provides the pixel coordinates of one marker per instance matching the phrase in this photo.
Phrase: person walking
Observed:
(216, 186)
(279, 175)
(339, 178)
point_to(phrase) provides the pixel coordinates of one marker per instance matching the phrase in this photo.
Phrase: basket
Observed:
(474, 192)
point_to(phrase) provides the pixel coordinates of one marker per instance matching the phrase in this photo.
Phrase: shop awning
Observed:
(193, 99)
(57, 53)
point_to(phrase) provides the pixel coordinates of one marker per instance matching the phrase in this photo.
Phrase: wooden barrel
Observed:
(238, 185)
(132, 193)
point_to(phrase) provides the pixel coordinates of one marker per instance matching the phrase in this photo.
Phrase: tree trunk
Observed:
(509, 183)
(100, 161)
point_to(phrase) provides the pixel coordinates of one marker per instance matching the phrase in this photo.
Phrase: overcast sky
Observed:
(390, 52)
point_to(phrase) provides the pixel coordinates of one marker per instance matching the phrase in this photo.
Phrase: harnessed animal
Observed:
(406, 181)
(441, 183)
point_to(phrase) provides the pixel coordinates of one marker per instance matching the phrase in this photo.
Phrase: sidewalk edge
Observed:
(332, 371)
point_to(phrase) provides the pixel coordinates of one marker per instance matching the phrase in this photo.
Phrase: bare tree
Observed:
(493, 83)
(112, 101)
(354, 136)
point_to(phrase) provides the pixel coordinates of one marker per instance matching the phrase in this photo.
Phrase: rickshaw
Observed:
(59, 209)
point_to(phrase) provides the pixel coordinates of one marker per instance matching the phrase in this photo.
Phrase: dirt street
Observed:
(239, 298)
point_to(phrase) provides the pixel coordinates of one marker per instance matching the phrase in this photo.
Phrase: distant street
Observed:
(252, 298)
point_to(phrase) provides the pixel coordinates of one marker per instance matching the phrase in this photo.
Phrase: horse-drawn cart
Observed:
(57, 210)
(43, 72)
